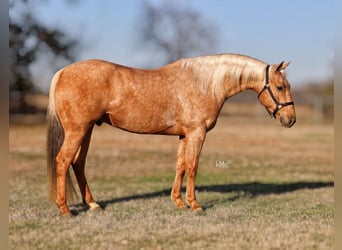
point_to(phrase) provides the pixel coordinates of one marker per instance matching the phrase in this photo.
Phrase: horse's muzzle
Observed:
(287, 122)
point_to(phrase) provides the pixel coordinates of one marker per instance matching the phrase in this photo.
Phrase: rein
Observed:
(268, 88)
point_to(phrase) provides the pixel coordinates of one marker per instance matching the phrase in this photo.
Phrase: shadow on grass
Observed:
(249, 190)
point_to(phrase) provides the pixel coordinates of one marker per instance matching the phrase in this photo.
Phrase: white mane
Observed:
(214, 69)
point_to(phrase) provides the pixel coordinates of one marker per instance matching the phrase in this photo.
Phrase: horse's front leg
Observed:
(193, 146)
(180, 171)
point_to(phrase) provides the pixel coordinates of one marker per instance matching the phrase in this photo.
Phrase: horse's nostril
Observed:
(292, 121)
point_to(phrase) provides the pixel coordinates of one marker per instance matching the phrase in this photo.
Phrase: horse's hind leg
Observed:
(70, 146)
(78, 165)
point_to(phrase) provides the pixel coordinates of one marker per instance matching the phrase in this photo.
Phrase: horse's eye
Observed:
(280, 88)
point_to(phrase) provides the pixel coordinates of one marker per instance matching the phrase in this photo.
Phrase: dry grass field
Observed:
(262, 187)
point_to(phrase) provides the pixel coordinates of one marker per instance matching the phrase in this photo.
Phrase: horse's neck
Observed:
(224, 76)
(234, 88)
(240, 82)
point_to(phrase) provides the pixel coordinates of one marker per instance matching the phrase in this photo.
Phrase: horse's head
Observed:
(276, 95)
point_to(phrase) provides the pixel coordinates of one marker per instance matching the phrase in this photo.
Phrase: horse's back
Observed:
(164, 100)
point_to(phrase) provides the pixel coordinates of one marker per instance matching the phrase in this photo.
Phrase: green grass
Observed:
(276, 192)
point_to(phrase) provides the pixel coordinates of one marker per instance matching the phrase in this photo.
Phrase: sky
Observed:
(298, 31)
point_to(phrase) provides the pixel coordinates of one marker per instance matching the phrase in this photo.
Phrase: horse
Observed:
(183, 98)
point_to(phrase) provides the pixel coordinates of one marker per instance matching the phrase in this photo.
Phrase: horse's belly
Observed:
(143, 123)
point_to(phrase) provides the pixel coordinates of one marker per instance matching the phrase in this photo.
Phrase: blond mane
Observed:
(212, 70)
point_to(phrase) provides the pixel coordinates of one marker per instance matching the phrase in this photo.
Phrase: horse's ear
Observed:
(282, 66)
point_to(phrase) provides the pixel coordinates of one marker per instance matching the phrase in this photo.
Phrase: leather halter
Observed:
(268, 88)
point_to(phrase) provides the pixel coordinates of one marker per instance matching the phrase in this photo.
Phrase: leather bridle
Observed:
(268, 88)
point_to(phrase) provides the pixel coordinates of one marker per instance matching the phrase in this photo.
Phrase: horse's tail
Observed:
(55, 138)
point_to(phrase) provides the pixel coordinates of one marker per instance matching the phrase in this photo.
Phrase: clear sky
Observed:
(298, 31)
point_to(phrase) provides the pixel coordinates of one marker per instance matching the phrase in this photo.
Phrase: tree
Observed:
(175, 31)
(27, 39)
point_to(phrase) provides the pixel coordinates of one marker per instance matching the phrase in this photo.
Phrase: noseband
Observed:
(268, 88)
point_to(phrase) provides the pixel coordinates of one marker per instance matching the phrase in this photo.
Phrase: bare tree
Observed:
(28, 40)
(175, 31)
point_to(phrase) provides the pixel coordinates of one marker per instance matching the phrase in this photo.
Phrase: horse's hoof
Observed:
(97, 209)
(197, 209)
(195, 206)
(179, 204)
(93, 206)
(181, 207)
(65, 215)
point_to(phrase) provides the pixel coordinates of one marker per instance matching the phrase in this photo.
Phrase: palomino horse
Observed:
(183, 98)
